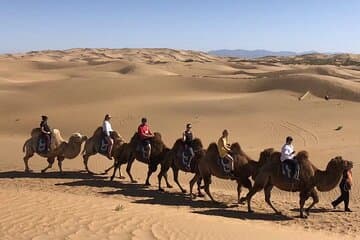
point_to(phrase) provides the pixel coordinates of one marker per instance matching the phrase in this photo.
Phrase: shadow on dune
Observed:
(54, 175)
(146, 194)
(318, 210)
(238, 214)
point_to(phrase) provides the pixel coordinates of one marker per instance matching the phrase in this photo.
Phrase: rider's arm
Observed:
(226, 146)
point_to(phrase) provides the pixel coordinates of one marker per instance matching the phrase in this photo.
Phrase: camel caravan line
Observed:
(255, 175)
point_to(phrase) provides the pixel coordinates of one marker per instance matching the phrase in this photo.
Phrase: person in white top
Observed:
(287, 151)
(107, 129)
(288, 157)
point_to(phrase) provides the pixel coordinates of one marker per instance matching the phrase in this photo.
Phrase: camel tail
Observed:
(24, 146)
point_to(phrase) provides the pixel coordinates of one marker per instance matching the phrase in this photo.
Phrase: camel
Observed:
(270, 175)
(130, 152)
(60, 149)
(173, 159)
(93, 145)
(244, 167)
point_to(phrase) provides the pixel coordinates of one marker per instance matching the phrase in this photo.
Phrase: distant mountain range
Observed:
(240, 53)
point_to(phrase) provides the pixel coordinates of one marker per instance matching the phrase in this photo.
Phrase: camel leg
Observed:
(200, 194)
(163, 173)
(267, 191)
(303, 197)
(60, 160)
(251, 193)
(176, 179)
(239, 185)
(108, 169)
(207, 181)
(115, 167)
(120, 174)
(147, 181)
(195, 179)
(128, 169)
(246, 183)
(314, 195)
(26, 161)
(86, 159)
(50, 161)
(168, 185)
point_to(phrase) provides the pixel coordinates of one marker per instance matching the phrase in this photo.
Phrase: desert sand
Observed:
(256, 100)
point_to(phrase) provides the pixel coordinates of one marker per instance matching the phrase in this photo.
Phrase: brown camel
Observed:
(244, 167)
(174, 160)
(93, 145)
(270, 175)
(60, 149)
(131, 151)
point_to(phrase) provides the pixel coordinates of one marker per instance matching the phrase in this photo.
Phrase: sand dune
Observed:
(257, 100)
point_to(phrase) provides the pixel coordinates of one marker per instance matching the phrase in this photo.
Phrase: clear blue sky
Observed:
(322, 25)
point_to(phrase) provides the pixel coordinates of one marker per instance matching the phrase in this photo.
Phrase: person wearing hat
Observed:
(107, 129)
(145, 135)
(46, 131)
(288, 157)
(187, 139)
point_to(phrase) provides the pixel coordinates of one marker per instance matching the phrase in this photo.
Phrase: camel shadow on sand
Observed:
(50, 175)
(147, 195)
(244, 215)
(319, 210)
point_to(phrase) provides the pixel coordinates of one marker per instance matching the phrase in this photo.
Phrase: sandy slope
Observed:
(256, 100)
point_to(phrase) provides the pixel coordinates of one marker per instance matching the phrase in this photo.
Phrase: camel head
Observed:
(116, 136)
(157, 144)
(77, 138)
(339, 164)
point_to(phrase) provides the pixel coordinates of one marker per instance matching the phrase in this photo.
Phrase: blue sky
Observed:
(321, 25)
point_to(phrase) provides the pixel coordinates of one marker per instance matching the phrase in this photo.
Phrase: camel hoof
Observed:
(183, 191)
(303, 216)
(121, 177)
(242, 200)
(147, 184)
(133, 181)
(90, 172)
(28, 171)
(111, 179)
(161, 190)
(43, 171)
(250, 211)
(278, 213)
(200, 195)
(169, 186)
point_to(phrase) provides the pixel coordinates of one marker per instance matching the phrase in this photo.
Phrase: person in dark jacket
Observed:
(188, 139)
(345, 186)
(46, 131)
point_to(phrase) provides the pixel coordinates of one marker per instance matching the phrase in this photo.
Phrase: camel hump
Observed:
(35, 132)
(98, 131)
(157, 136)
(178, 143)
(197, 143)
(302, 155)
(213, 148)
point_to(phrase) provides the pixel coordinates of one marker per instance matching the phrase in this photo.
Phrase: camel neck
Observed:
(327, 180)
